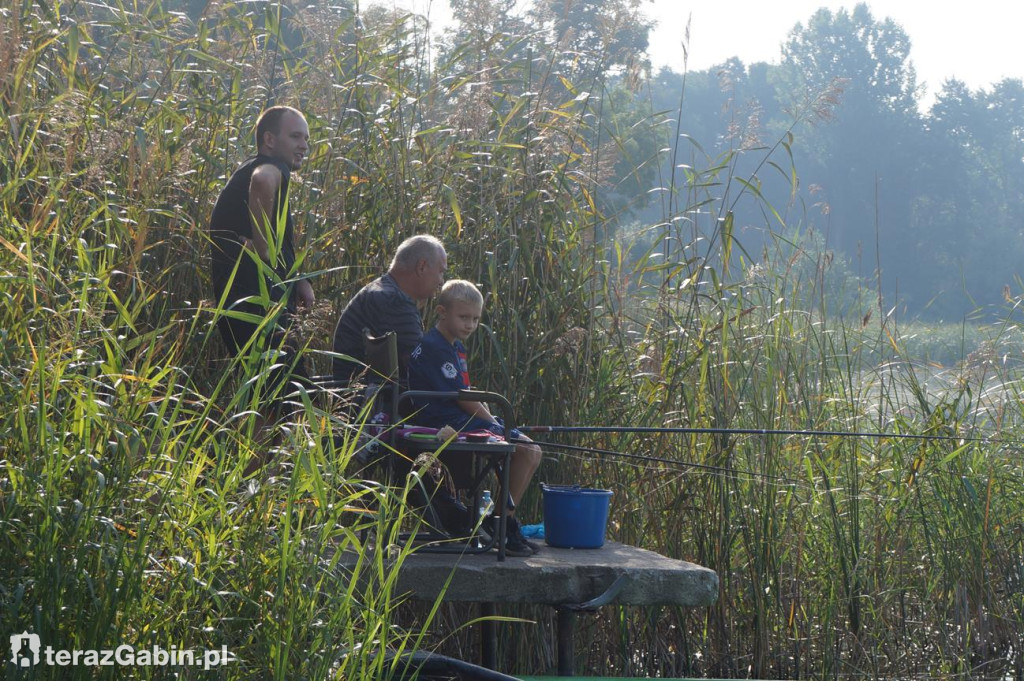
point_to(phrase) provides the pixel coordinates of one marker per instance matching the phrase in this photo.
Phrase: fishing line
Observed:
(730, 431)
(758, 431)
(672, 462)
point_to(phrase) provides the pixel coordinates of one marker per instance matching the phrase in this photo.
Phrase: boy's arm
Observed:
(473, 408)
(477, 409)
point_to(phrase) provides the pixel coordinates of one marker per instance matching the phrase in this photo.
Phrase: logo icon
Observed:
(449, 371)
(24, 649)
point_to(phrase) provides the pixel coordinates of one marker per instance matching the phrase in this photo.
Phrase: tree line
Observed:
(923, 206)
(921, 210)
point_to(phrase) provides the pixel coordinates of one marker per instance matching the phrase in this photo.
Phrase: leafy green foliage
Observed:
(124, 431)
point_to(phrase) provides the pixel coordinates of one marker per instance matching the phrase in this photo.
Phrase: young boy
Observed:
(439, 363)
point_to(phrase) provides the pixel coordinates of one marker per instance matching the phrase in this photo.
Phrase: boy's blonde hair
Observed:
(459, 290)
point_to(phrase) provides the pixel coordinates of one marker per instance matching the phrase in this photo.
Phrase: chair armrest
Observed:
(504, 406)
(328, 382)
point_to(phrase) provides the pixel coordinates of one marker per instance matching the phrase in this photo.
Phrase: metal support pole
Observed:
(488, 638)
(566, 633)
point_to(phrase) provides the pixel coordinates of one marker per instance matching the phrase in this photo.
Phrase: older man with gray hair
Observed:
(391, 303)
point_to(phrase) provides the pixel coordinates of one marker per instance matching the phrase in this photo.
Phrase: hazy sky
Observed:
(979, 42)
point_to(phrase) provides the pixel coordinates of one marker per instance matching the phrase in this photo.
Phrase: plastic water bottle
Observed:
(485, 510)
(486, 504)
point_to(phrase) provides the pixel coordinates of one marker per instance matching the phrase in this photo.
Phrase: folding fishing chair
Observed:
(470, 459)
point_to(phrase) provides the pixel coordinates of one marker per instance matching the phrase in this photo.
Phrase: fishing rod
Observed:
(671, 462)
(755, 431)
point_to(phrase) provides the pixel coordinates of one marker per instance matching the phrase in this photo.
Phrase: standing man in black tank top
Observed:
(253, 245)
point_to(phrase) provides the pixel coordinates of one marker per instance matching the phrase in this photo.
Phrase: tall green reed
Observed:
(125, 514)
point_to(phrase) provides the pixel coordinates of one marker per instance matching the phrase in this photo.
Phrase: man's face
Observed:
(291, 142)
(430, 276)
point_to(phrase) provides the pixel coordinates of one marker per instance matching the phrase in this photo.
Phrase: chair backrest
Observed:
(382, 373)
(381, 357)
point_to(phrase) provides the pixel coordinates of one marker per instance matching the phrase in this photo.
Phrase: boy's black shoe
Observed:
(515, 535)
(515, 545)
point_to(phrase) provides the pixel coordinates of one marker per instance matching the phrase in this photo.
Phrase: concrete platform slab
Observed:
(560, 577)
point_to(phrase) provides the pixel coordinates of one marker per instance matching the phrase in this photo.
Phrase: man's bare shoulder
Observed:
(267, 177)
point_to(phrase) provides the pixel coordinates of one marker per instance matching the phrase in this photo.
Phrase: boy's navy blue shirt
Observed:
(436, 364)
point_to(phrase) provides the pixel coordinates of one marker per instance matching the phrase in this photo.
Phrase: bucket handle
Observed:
(558, 488)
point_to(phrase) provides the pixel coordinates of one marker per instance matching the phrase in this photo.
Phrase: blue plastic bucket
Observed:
(575, 517)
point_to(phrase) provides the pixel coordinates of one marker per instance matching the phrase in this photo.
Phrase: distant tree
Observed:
(976, 192)
(1005, 110)
(947, 175)
(487, 34)
(725, 114)
(867, 158)
(871, 57)
(634, 137)
(590, 37)
(480, 22)
(577, 61)
(486, 50)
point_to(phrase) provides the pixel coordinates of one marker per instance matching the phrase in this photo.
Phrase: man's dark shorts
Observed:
(288, 367)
